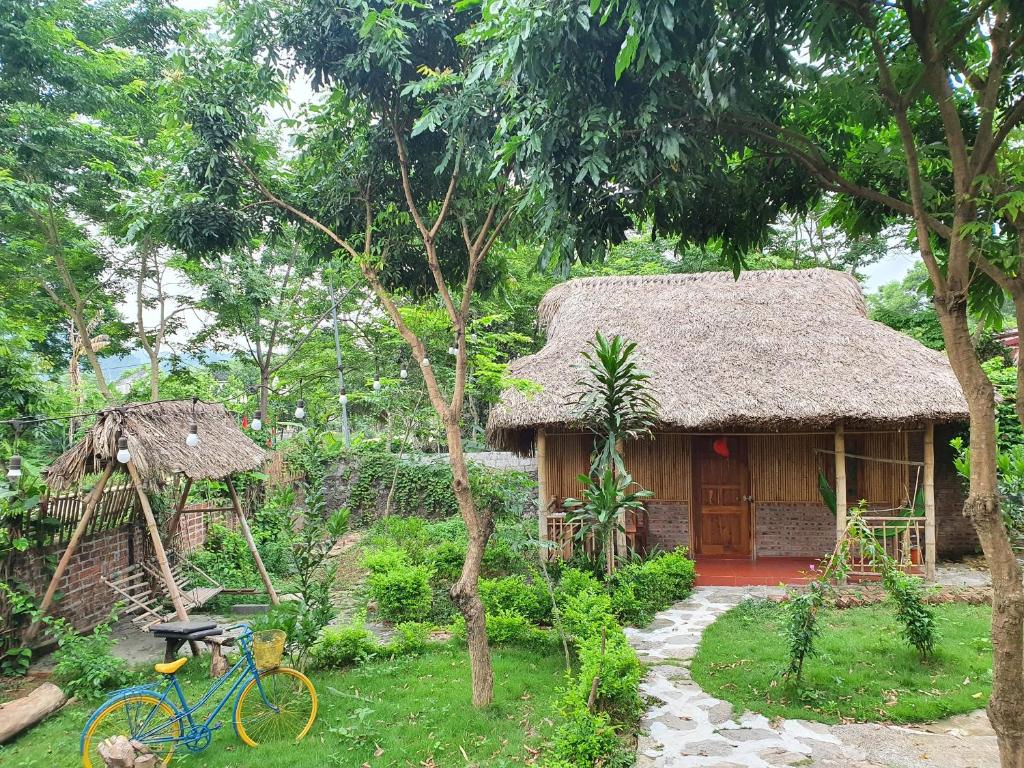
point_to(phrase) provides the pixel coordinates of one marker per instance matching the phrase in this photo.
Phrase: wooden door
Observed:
(722, 484)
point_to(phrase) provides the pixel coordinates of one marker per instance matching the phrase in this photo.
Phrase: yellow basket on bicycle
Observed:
(268, 648)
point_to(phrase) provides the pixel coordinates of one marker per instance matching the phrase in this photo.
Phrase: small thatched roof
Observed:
(156, 438)
(776, 349)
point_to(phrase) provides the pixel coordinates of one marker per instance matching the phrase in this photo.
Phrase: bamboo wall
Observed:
(566, 456)
(783, 468)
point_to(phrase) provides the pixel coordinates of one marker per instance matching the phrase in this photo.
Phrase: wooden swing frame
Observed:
(165, 571)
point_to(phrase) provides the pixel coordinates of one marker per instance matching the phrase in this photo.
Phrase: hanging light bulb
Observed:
(343, 397)
(123, 454)
(403, 374)
(14, 468)
(453, 350)
(192, 440)
(300, 409)
(425, 362)
(257, 422)
(376, 383)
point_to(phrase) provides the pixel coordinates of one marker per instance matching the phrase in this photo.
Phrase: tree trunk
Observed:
(264, 394)
(154, 374)
(20, 714)
(465, 592)
(982, 508)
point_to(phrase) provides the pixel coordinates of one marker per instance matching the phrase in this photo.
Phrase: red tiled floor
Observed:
(744, 572)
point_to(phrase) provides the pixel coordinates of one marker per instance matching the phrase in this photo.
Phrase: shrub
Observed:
(511, 628)
(585, 740)
(85, 666)
(573, 582)
(402, 594)
(907, 594)
(678, 573)
(514, 593)
(344, 646)
(638, 592)
(446, 560)
(411, 639)
(618, 671)
(384, 560)
(584, 615)
(642, 588)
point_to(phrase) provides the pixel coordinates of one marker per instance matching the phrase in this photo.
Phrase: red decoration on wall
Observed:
(721, 447)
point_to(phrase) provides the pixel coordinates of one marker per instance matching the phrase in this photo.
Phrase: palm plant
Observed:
(601, 511)
(614, 401)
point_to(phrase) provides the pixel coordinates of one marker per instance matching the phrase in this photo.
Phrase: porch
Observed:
(754, 508)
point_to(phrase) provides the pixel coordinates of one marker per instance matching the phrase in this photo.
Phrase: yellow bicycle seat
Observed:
(171, 667)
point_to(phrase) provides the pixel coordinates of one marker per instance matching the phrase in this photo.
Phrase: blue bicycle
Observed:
(270, 703)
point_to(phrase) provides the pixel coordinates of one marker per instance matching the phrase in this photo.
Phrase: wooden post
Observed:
(244, 525)
(840, 448)
(91, 502)
(158, 548)
(175, 521)
(542, 491)
(620, 533)
(929, 501)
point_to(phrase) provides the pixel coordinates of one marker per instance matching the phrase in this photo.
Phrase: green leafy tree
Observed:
(904, 305)
(393, 172)
(75, 79)
(714, 118)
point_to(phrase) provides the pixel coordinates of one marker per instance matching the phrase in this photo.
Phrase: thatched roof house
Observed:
(156, 439)
(775, 349)
(784, 366)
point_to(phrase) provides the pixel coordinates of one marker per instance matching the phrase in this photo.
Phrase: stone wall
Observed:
(503, 460)
(954, 533)
(794, 530)
(669, 524)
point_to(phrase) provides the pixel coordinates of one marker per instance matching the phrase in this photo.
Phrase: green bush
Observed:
(619, 672)
(446, 560)
(226, 558)
(402, 594)
(85, 666)
(344, 647)
(411, 639)
(384, 560)
(514, 593)
(573, 582)
(511, 628)
(586, 740)
(678, 572)
(586, 614)
(642, 588)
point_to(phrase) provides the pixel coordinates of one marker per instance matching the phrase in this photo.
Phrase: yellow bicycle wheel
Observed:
(294, 708)
(136, 716)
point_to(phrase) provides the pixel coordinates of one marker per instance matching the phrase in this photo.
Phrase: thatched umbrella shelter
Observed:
(766, 386)
(154, 435)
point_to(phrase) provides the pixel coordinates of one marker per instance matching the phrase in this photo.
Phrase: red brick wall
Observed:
(669, 524)
(794, 530)
(85, 599)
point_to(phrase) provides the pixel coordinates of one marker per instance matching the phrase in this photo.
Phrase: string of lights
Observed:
(192, 438)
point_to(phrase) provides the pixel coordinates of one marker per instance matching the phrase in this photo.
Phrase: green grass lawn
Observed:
(413, 711)
(863, 670)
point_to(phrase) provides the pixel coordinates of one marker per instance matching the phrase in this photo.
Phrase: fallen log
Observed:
(20, 714)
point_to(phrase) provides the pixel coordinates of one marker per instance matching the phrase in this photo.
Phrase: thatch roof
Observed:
(776, 349)
(156, 438)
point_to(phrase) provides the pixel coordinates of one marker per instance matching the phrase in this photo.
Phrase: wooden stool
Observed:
(218, 661)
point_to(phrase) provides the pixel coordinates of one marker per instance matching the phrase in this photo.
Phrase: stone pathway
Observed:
(688, 728)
